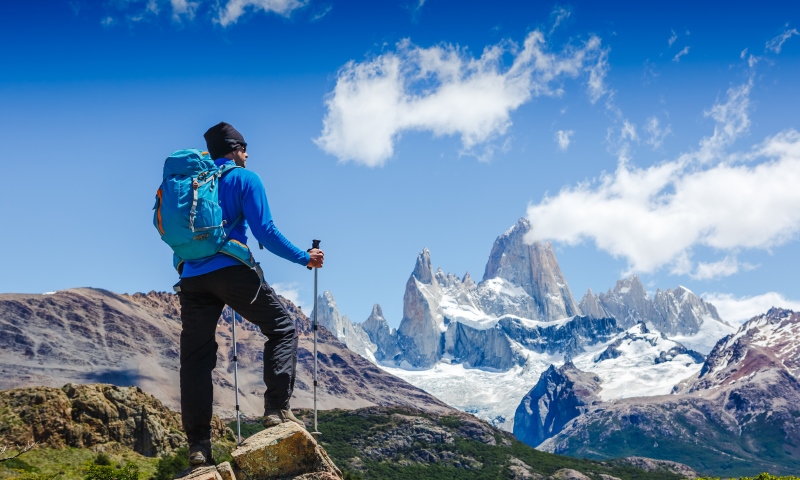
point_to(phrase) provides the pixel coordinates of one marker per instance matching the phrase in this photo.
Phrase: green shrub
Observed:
(106, 472)
(169, 465)
(102, 459)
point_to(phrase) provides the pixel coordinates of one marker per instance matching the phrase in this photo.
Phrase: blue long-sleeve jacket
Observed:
(241, 191)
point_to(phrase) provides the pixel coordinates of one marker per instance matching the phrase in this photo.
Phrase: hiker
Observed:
(210, 283)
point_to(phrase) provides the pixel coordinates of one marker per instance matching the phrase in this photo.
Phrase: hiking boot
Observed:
(276, 416)
(200, 453)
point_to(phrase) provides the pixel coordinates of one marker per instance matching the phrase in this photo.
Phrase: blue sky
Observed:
(651, 139)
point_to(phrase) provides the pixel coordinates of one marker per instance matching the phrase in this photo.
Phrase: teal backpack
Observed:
(187, 214)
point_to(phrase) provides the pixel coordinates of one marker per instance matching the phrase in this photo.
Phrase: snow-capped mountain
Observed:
(736, 416)
(672, 312)
(481, 346)
(352, 335)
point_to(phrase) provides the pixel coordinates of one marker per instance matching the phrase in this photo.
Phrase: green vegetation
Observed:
(107, 472)
(347, 435)
(71, 464)
(169, 465)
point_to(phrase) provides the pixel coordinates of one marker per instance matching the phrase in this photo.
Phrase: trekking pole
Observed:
(315, 245)
(236, 377)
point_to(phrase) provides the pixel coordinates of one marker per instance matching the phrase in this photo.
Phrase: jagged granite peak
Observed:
(467, 280)
(420, 331)
(352, 335)
(681, 311)
(384, 338)
(534, 268)
(560, 395)
(673, 311)
(627, 302)
(590, 306)
(423, 269)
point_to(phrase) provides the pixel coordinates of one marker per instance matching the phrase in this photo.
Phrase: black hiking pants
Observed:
(202, 299)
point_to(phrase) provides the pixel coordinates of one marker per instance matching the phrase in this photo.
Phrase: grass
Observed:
(50, 462)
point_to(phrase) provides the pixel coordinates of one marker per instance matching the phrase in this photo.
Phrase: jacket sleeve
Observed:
(259, 218)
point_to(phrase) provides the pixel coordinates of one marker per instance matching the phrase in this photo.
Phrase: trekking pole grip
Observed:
(314, 246)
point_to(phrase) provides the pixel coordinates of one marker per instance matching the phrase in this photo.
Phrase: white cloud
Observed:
(672, 38)
(291, 291)
(722, 268)
(559, 15)
(234, 9)
(107, 21)
(776, 43)
(656, 133)
(320, 14)
(563, 139)
(739, 310)
(677, 57)
(653, 217)
(183, 8)
(446, 91)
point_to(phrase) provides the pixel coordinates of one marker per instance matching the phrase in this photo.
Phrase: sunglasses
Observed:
(242, 147)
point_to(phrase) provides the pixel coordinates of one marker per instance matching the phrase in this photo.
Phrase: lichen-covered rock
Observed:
(284, 451)
(98, 416)
(226, 471)
(200, 473)
(569, 474)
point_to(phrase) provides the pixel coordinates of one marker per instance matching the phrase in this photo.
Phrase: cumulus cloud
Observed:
(563, 138)
(672, 38)
(738, 310)
(722, 268)
(776, 43)
(677, 57)
(445, 90)
(234, 9)
(653, 217)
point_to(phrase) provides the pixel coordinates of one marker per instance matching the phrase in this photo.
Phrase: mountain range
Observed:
(87, 335)
(736, 416)
(481, 346)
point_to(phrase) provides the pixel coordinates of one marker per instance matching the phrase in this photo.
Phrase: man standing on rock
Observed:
(208, 284)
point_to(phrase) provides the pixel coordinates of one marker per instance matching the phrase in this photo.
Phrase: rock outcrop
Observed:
(560, 395)
(286, 451)
(97, 416)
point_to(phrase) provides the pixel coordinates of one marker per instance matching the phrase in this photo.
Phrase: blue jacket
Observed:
(241, 191)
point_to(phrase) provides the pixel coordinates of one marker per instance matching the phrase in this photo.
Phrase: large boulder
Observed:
(286, 451)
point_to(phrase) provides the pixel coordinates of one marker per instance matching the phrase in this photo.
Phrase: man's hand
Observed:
(317, 257)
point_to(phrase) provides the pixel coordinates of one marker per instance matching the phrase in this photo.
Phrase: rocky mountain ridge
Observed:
(91, 335)
(737, 416)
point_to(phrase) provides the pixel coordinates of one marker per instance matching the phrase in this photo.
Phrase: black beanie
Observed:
(222, 139)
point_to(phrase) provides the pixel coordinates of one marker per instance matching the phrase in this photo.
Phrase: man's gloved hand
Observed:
(317, 257)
